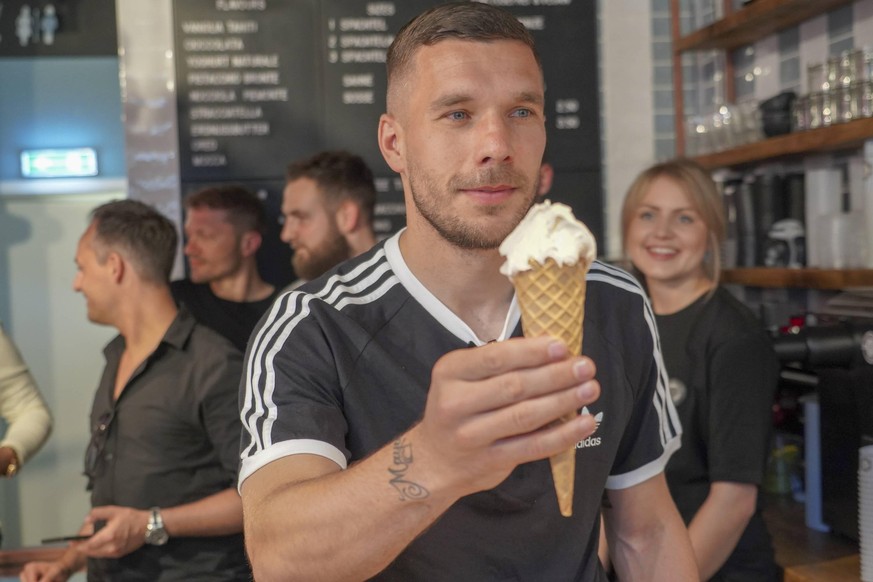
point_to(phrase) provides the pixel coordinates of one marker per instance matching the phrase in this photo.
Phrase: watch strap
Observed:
(155, 519)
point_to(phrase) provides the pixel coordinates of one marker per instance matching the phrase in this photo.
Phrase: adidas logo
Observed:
(591, 441)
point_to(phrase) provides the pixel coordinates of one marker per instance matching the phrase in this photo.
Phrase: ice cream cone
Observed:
(547, 258)
(552, 302)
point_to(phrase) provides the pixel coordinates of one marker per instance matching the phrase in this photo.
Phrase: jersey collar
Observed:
(436, 308)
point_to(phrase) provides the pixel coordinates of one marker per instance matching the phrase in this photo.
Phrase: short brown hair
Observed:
(143, 235)
(340, 175)
(471, 21)
(703, 194)
(243, 208)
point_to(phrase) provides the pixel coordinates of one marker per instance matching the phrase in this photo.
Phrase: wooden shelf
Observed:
(834, 137)
(754, 22)
(795, 544)
(838, 570)
(831, 279)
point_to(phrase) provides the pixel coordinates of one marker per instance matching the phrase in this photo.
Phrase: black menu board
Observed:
(263, 82)
(247, 86)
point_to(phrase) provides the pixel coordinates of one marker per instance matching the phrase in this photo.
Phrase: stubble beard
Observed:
(431, 202)
(198, 277)
(332, 251)
(222, 268)
(209, 273)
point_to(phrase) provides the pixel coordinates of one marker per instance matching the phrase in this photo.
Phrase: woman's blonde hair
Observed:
(703, 194)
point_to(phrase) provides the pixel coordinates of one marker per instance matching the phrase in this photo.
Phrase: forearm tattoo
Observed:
(401, 463)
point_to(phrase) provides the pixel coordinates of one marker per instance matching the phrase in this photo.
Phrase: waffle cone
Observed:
(552, 302)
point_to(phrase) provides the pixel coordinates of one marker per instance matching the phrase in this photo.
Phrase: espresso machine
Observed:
(836, 358)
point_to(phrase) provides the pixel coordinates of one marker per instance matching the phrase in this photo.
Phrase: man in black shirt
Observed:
(385, 436)
(224, 227)
(162, 458)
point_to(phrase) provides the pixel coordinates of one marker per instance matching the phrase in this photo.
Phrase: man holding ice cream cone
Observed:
(387, 436)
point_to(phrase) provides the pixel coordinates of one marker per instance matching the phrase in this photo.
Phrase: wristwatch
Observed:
(155, 534)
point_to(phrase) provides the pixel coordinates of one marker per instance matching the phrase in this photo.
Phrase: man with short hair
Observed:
(386, 435)
(165, 428)
(327, 208)
(224, 228)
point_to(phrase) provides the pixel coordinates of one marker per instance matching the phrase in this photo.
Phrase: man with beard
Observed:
(386, 436)
(224, 228)
(327, 207)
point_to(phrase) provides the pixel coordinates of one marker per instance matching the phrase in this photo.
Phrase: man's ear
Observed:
(250, 242)
(391, 142)
(547, 175)
(116, 265)
(348, 217)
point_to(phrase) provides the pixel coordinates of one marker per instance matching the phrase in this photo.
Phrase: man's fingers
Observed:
(545, 442)
(520, 385)
(529, 415)
(101, 512)
(512, 387)
(499, 357)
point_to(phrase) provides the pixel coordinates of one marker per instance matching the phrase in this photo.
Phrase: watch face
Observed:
(156, 536)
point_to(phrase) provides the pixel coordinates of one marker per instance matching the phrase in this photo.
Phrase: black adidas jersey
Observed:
(342, 366)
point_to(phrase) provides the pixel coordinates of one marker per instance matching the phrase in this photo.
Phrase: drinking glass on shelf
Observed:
(717, 132)
(800, 114)
(751, 124)
(850, 68)
(843, 240)
(863, 95)
(865, 64)
(832, 75)
(815, 78)
(732, 125)
(828, 108)
(846, 105)
(698, 136)
(814, 102)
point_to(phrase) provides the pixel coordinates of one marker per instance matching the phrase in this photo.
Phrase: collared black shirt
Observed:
(172, 439)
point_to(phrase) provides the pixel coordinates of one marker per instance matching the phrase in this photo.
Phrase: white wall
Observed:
(626, 105)
(47, 320)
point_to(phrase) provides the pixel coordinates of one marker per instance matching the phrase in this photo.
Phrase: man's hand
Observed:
(45, 572)
(492, 408)
(123, 532)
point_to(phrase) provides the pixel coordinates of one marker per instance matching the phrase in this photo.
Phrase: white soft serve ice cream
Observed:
(547, 231)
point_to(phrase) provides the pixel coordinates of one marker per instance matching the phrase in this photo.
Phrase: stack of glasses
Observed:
(840, 90)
